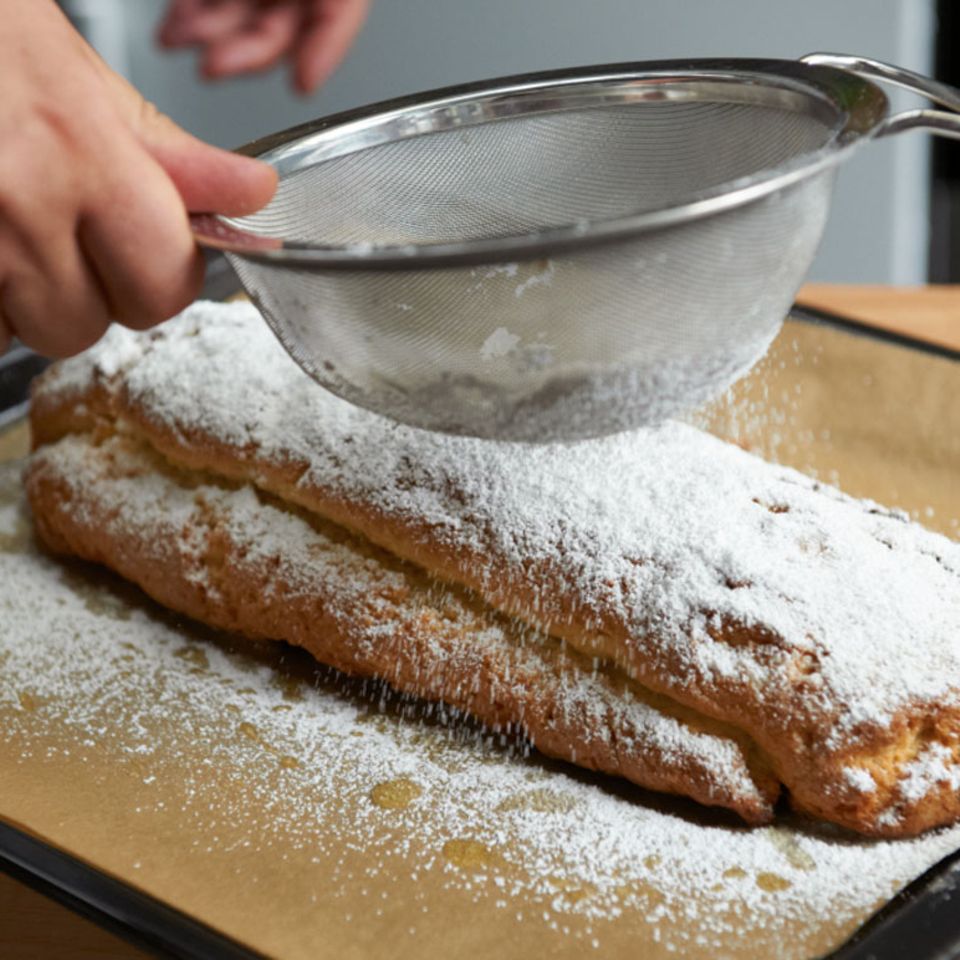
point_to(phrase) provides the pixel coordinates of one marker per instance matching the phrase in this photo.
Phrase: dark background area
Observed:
(945, 201)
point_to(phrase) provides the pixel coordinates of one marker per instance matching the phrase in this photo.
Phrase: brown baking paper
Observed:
(250, 833)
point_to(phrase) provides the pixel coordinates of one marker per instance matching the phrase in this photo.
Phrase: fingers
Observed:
(125, 253)
(264, 41)
(240, 36)
(55, 305)
(190, 22)
(141, 293)
(210, 180)
(172, 28)
(330, 29)
(92, 225)
(49, 297)
(135, 235)
(207, 178)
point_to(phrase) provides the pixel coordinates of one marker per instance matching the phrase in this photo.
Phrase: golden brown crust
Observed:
(794, 733)
(432, 642)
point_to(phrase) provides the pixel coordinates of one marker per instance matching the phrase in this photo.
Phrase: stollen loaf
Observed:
(731, 628)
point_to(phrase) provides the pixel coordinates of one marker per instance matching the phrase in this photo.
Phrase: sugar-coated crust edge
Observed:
(793, 738)
(79, 520)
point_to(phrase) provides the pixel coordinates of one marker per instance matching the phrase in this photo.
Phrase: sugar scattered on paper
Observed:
(120, 676)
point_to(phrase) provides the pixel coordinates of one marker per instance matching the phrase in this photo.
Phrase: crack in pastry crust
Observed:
(242, 561)
(825, 629)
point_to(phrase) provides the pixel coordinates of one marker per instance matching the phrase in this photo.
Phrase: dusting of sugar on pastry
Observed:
(116, 350)
(547, 846)
(120, 491)
(933, 768)
(667, 535)
(860, 779)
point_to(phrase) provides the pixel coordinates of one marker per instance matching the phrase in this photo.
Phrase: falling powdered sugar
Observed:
(311, 765)
(663, 533)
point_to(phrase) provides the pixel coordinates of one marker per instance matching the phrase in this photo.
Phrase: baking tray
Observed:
(921, 920)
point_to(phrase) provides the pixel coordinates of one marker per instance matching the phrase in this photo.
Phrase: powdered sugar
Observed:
(79, 659)
(860, 779)
(119, 490)
(665, 531)
(932, 768)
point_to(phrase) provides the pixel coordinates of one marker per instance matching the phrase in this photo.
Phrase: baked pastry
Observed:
(814, 636)
(242, 561)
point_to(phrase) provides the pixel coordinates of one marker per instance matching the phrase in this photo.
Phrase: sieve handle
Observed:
(941, 122)
(213, 232)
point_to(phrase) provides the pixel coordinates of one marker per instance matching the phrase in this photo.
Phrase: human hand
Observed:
(240, 36)
(95, 185)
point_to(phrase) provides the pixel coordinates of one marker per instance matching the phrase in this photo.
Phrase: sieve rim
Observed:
(859, 105)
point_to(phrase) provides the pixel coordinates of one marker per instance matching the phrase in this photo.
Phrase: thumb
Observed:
(209, 179)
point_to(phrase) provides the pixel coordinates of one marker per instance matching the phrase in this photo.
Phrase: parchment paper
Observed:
(881, 420)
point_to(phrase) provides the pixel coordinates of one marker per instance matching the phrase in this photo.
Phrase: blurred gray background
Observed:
(879, 228)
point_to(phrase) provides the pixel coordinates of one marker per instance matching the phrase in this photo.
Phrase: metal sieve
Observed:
(558, 255)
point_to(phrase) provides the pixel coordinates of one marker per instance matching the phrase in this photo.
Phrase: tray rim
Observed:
(861, 328)
(142, 920)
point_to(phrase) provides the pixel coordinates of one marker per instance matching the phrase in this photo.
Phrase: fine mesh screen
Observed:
(588, 340)
(523, 174)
